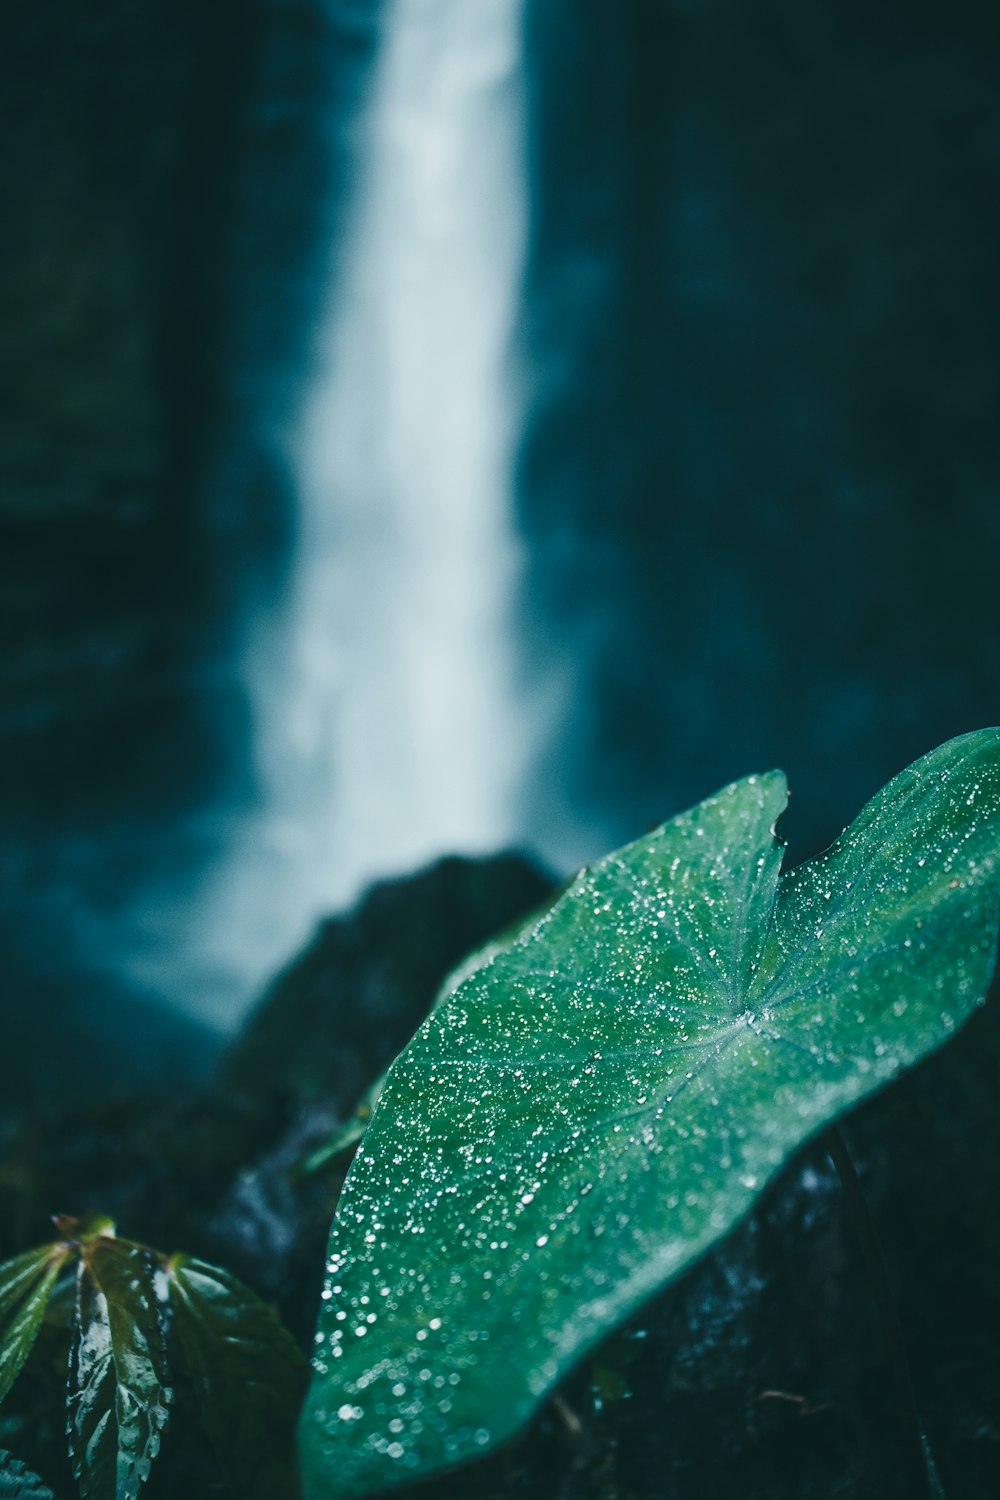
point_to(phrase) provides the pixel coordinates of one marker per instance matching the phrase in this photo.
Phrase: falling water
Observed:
(398, 724)
(379, 678)
(382, 686)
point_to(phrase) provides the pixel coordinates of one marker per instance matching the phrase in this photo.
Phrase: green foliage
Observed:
(248, 1372)
(18, 1483)
(119, 1391)
(598, 1103)
(140, 1318)
(26, 1285)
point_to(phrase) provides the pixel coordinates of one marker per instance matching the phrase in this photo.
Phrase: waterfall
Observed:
(378, 677)
(399, 719)
(385, 727)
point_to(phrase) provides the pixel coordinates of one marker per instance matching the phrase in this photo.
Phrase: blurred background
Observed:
(449, 425)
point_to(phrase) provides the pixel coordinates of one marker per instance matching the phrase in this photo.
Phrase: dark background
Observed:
(756, 479)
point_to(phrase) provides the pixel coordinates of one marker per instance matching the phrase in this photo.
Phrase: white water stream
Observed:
(400, 709)
(385, 726)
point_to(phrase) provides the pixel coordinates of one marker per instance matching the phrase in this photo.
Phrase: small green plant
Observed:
(602, 1099)
(18, 1483)
(140, 1316)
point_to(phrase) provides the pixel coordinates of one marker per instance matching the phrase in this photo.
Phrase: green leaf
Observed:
(598, 1104)
(119, 1396)
(249, 1374)
(19, 1483)
(26, 1284)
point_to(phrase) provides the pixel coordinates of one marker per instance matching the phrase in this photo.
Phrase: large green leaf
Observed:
(119, 1394)
(595, 1106)
(248, 1372)
(26, 1284)
(19, 1483)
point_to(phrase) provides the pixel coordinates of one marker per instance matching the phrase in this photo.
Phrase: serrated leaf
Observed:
(119, 1393)
(26, 1284)
(18, 1482)
(597, 1105)
(249, 1374)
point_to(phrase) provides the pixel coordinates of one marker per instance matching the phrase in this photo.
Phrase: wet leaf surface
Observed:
(602, 1101)
(18, 1482)
(248, 1372)
(26, 1284)
(119, 1392)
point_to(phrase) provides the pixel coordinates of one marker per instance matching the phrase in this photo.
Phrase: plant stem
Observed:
(919, 1464)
